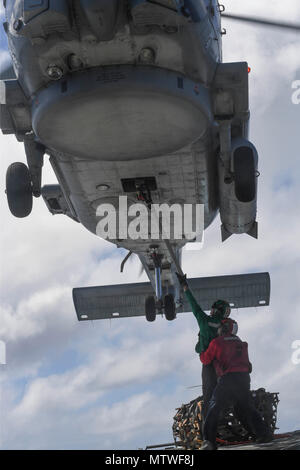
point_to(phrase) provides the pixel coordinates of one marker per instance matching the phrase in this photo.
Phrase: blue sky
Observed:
(116, 384)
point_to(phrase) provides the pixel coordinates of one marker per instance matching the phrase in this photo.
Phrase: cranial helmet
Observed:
(223, 307)
(228, 327)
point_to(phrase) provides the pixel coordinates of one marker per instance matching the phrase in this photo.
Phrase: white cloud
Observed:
(83, 390)
(273, 9)
(109, 368)
(5, 59)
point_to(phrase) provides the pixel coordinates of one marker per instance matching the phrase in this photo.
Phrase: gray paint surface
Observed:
(130, 90)
(245, 290)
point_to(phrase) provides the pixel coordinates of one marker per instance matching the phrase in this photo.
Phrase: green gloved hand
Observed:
(182, 280)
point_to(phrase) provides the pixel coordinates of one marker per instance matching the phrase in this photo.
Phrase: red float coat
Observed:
(228, 353)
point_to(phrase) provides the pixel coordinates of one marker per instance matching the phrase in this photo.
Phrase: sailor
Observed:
(229, 355)
(208, 330)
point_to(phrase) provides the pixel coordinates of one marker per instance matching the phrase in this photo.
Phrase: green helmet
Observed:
(223, 307)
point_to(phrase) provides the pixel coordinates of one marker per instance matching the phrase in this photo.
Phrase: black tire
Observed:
(244, 174)
(170, 308)
(19, 190)
(150, 308)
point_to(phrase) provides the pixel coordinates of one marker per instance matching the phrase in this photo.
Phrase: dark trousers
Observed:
(233, 388)
(209, 382)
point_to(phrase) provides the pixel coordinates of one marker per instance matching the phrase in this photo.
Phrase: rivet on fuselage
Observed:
(54, 72)
(147, 55)
(74, 62)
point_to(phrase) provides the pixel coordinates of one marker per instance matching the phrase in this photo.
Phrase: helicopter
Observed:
(132, 98)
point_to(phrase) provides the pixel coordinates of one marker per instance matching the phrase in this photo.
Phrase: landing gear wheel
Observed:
(150, 308)
(170, 309)
(19, 190)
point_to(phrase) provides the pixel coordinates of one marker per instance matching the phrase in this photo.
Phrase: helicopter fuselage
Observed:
(120, 94)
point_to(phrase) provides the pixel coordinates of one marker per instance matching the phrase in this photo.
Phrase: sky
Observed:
(116, 384)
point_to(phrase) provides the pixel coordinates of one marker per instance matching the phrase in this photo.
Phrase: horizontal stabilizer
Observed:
(128, 300)
(240, 290)
(120, 300)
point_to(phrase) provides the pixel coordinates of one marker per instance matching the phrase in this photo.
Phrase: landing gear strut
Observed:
(159, 303)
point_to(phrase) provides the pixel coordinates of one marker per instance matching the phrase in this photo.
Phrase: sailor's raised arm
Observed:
(196, 309)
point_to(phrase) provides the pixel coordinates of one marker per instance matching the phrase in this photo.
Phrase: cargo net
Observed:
(187, 427)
